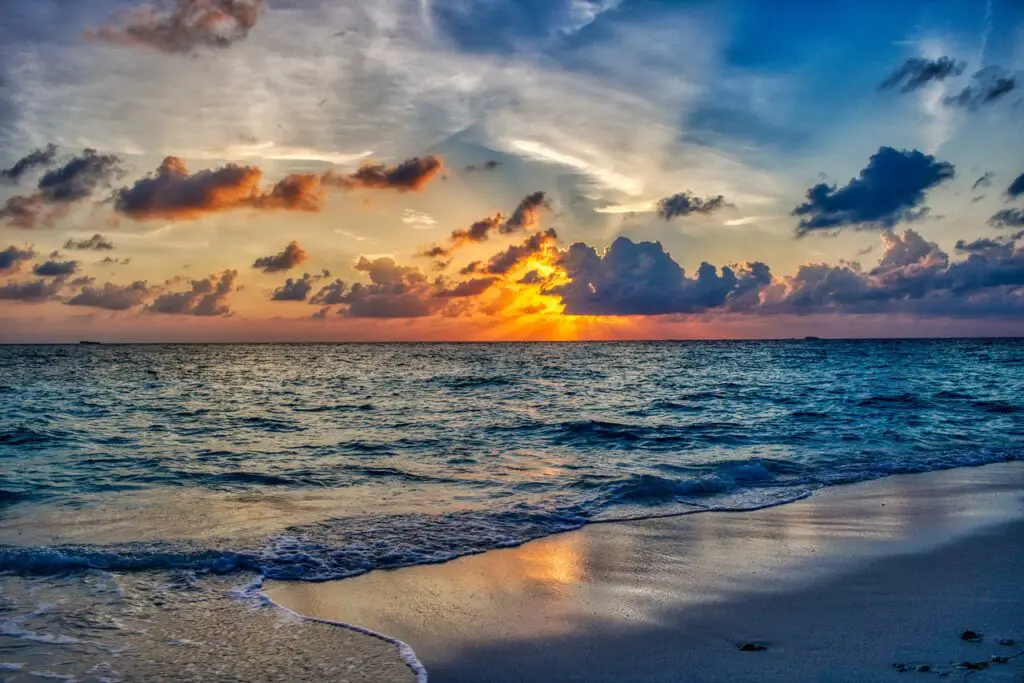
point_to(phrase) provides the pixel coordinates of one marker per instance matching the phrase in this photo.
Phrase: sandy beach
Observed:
(864, 582)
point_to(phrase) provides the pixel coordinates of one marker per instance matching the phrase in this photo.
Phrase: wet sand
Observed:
(837, 587)
(101, 627)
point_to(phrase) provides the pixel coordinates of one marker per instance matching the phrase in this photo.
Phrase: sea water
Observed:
(316, 462)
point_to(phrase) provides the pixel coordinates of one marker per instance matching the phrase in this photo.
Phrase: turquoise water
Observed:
(313, 462)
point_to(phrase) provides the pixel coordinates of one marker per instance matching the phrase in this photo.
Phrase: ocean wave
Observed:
(519, 440)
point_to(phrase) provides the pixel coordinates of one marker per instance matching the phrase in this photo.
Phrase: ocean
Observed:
(142, 480)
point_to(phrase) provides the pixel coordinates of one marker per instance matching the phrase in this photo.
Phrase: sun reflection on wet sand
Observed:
(635, 573)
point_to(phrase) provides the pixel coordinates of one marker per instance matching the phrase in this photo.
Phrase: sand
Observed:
(837, 587)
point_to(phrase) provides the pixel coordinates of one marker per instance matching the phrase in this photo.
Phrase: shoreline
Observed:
(493, 616)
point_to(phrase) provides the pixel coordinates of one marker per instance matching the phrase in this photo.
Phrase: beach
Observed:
(861, 582)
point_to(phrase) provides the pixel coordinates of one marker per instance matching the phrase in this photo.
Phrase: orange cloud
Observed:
(524, 218)
(192, 24)
(410, 175)
(174, 193)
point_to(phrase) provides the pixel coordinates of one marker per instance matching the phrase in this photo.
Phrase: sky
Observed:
(488, 170)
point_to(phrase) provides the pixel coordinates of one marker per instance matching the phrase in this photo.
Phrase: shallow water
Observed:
(142, 487)
(322, 461)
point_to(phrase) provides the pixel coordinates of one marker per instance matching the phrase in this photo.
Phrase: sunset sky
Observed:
(321, 170)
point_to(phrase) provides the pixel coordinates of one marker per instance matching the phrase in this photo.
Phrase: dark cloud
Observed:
(172, 192)
(505, 261)
(467, 288)
(297, 289)
(685, 203)
(395, 291)
(999, 247)
(191, 25)
(489, 165)
(56, 268)
(111, 261)
(1008, 218)
(984, 181)
(76, 180)
(640, 278)
(80, 177)
(989, 85)
(207, 297)
(12, 257)
(95, 243)
(913, 277)
(22, 212)
(111, 297)
(918, 72)
(330, 294)
(292, 256)
(30, 291)
(1016, 188)
(524, 218)
(531, 278)
(296, 192)
(478, 232)
(38, 159)
(890, 189)
(526, 214)
(410, 175)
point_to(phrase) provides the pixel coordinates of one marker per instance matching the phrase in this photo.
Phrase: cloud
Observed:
(685, 203)
(76, 180)
(191, 25)
(31, 291)
(525, 217)
(174, 193)
(913, 277)
(79, 177)
(418, 220)
(295, 289)
(296, 192)
(56, 268)
(468, 288)
(22, 212)
(478, 232)
(292, 256)
(918, 72)
(990, 84)
(410, 175)
(1016, 188)
(111, 297)
(38, 159)
(12, 257)
(488, 165)
(330, 294)
(641, 278)
(890, 189)
(985, 180)
(395, 291)
(207, 297)
(505, 261)
(998, 247)
(95, 243)
(1007, 218)
(526, 214)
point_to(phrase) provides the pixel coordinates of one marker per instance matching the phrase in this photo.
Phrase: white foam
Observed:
(254, 589)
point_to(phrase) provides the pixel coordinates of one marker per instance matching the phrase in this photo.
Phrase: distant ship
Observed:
(812, 338)
(90, 342)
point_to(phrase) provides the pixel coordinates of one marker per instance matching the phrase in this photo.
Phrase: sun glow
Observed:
(528, 311)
